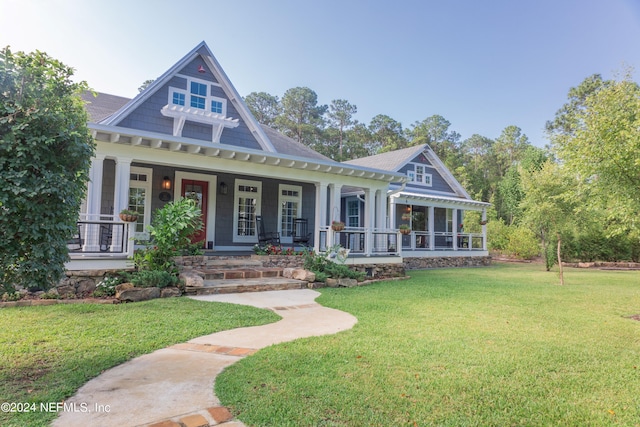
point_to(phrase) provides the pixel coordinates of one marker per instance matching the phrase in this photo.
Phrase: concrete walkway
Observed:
(174, 386)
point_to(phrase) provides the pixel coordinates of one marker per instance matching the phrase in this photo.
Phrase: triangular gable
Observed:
(151, 110)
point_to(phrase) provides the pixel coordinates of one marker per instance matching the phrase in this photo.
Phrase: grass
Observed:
(48, 352)
(498, 346)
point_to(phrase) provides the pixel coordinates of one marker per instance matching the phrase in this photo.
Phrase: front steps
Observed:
(226, 276)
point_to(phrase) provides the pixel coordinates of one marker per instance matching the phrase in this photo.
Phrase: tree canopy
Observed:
(45, 155)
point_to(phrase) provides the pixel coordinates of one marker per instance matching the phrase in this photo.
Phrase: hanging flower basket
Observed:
(404, 229)
(406, 216)
(128, 216)
(337, 225)
(483, 222)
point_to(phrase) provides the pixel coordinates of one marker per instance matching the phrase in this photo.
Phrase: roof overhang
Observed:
(409, 196)
(165, 142)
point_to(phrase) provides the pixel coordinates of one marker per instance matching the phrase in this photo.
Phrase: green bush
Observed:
(152, 278)
(522, 243)
(107, 287)
(497, 235)
(171, 230)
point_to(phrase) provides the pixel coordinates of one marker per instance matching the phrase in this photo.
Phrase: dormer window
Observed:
(419, 175)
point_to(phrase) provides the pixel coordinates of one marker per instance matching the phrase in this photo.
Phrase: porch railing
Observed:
(103, 235)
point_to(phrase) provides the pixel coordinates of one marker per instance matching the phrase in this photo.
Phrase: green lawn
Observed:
(47, 353)
(497, 346)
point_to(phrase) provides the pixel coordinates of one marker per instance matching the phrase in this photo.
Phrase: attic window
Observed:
(198, 95)
(419, 175)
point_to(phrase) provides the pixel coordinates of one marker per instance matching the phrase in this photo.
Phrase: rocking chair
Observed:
(266, 238)
(300, 232)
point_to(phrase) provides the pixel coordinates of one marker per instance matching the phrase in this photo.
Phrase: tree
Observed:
(600, 144)
(145, 84)
(45, 155)
(434, 131)
(548, 205)
(387, 134)
(478, 158)
(301, 116)
(264, 107)
(509, 147)
(341, 118)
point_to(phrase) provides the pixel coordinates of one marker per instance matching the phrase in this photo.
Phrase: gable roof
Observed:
(234, 97)
(100, 106)
(391, 160)
(395, 160)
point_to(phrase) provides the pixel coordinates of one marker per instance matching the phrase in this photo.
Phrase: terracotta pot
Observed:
(337, 227)
(405, 231)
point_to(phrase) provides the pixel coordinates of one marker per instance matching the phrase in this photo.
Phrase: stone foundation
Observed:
(420, 263)
(380, 271)
(80, 283)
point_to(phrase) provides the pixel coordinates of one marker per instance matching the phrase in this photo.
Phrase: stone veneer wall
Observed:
(418, 263)
(280, 261)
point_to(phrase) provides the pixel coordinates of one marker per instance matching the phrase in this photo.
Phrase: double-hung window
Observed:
(418, 174)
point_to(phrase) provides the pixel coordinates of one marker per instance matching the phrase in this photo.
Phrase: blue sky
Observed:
(483, 65)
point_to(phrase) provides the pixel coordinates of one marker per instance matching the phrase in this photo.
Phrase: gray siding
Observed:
(437, 182)
(147, 117)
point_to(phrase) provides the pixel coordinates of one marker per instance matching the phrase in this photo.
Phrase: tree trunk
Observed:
(560, 260)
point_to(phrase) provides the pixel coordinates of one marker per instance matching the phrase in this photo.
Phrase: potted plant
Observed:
(406, 216)
(337, 225)
(128, 215)
(405, 229)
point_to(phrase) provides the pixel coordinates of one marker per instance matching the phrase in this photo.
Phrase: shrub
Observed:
(522, 243)
(171, 230)
(497, 235)
(107, 287)
(152, 278)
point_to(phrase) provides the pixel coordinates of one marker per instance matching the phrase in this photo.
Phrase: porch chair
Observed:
(300, 233)
(266, 238)
(76, 241)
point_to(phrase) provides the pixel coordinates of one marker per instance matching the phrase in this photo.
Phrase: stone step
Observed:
(230, 286)
(241, 273)
(231, 264)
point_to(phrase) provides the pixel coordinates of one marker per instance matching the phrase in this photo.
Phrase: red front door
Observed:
(198, 190)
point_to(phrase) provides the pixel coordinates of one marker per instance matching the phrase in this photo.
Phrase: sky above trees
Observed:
(481, 65)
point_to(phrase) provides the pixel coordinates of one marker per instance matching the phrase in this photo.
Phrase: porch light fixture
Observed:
(166, 183)
(224, 188)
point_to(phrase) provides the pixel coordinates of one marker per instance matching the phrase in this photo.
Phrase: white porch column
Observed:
(369, 215)
(121, 200)
(432, 223)
(121, 187)
(94, 187)
(484, 229)
(334, 211)
(392, 212)
(381, 209)
(454, 226)
(320, 213)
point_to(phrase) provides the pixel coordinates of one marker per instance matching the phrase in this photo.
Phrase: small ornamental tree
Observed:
(45, 155)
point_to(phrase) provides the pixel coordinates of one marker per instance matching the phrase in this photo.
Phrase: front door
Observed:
(198, 190)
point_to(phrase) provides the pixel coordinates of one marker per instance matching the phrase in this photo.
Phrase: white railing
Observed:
(103, 235)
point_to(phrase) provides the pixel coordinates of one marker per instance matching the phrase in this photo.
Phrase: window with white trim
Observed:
(353, 213)
(140, 199)
(290, 202)
(198, 95)
(419, 175)
(247, 201)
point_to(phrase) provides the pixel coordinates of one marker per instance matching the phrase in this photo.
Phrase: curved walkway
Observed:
(174, 386)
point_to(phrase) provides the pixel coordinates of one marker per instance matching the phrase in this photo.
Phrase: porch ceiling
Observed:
(155, 141)
(441, 199)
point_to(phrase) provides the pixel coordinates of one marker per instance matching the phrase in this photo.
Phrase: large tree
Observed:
(45, 154)
(600, 144)
(387, 134)
(264, 107)
(434, 130)
(341, 118)
(302, 117)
